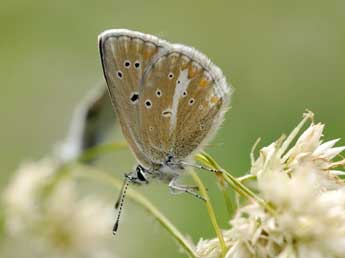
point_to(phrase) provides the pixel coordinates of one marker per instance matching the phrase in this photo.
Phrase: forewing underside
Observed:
(125, 56)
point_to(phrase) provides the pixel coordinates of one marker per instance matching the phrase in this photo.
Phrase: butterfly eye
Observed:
(158, 93)
(191, 101)
(148, 103)
(141, 174)
(127, 64)
(137, 64)
(171, 75)
(119, 75)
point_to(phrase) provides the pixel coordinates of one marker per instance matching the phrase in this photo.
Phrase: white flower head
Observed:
(308, 198)
(309, 150)
(308, 221)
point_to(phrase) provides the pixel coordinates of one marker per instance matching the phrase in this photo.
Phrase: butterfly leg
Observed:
(176, 188)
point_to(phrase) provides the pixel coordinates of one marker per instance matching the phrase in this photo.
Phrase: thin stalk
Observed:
(230, 206)
(293, 134)
(240, 188)
(233, 181)
(139, 199)
(252, 156)
(246, 178)
(211, 212)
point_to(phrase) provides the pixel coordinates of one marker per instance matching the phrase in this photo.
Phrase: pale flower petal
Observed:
(333, 152)
(325, 146)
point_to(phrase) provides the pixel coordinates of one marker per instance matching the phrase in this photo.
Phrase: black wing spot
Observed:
(148, 103)
(191, 101)
(158, 93)
(119, 75)
(135, 97)
(127, 64)
(171, 75)
(137, 64)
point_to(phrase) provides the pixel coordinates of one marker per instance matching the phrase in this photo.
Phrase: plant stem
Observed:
(211, 212)
(240, 188)
(230, 206)
(246, 178)
(233, 181)
(139, 199)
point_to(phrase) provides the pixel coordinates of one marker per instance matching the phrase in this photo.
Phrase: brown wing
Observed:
(125, 56)
(189, 108)
(156, 105)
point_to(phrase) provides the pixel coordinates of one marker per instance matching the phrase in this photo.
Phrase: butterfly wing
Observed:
(170, 99)
(184, 98)
(156, 105)
(125, 57)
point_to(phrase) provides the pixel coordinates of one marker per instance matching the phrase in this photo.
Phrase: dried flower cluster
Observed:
(301, 183)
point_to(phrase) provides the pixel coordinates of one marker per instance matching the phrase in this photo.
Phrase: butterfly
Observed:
(170, 100)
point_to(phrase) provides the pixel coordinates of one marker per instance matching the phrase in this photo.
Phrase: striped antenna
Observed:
(119, 203)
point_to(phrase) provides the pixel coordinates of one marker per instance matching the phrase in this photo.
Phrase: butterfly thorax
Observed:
(165, 171)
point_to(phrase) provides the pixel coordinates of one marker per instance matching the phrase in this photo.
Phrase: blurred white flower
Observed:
(302, 185)
(21, 195)
(53, 219)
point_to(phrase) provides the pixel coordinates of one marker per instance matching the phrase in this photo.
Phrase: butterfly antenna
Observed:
(119, 203)
(120, 195)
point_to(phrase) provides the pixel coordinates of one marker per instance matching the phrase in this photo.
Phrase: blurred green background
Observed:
(281, 56)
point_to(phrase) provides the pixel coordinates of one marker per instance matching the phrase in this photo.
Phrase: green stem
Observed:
(230, 206)
(147, 205)
(233, 181)
(246, 178)
(211, 212)
(240, 188)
